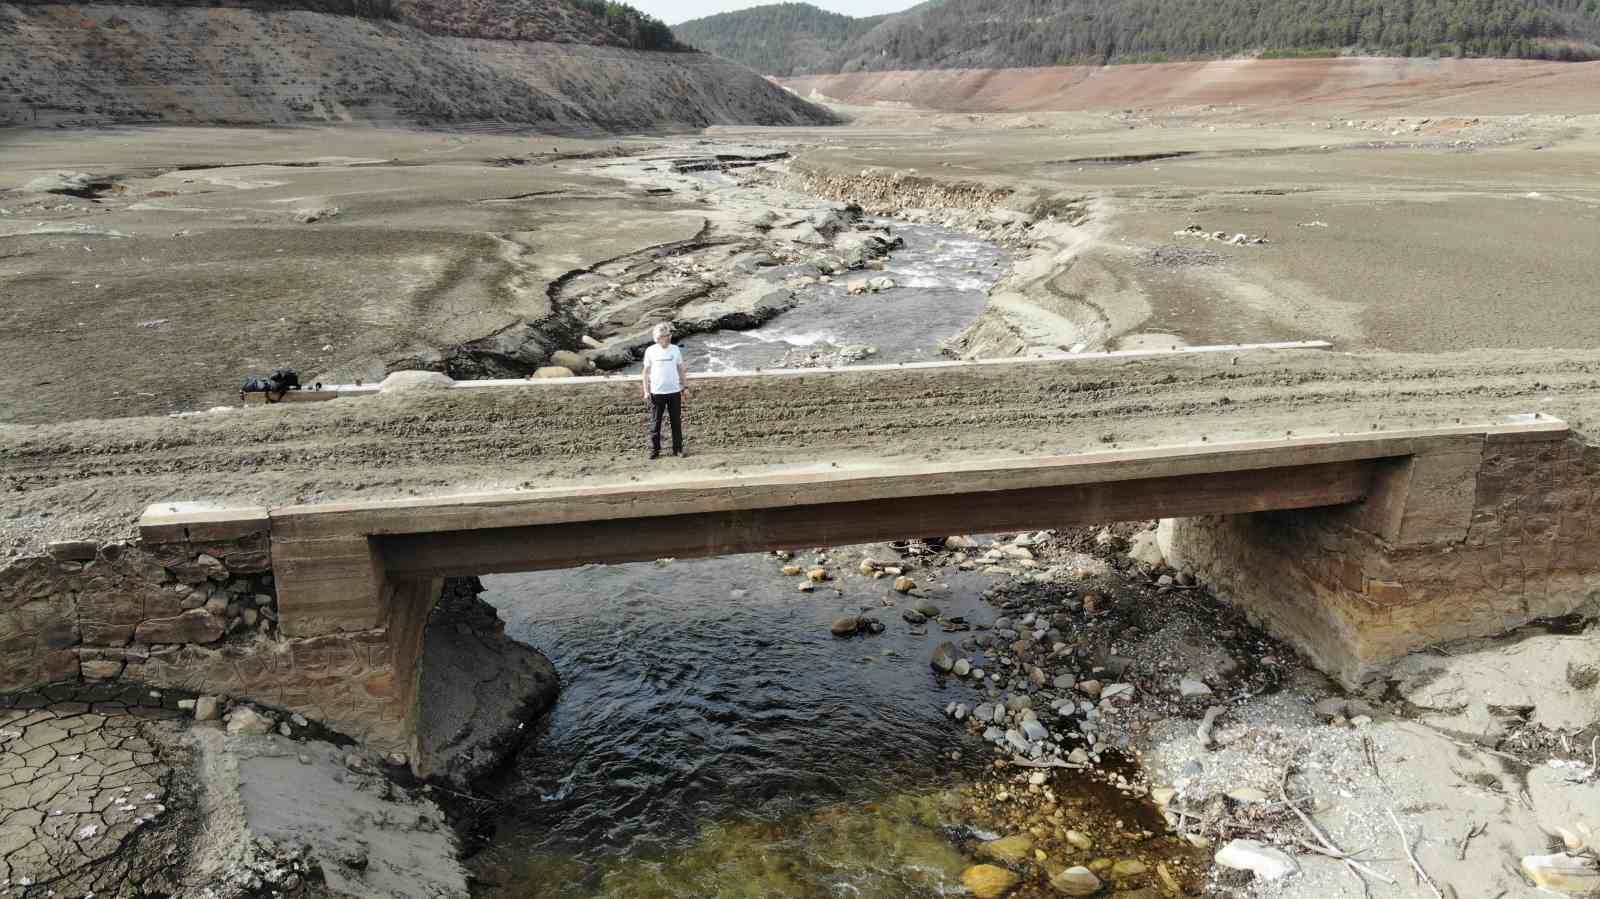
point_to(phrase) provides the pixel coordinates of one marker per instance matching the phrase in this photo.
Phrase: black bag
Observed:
(257, 385)
(286, 379)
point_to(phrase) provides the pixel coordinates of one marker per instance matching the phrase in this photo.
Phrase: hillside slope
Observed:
(794, 39)
(1013, 33)
(778, 39)
(88, 64)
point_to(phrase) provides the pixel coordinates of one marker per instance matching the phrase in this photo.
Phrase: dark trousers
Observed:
(672, 404)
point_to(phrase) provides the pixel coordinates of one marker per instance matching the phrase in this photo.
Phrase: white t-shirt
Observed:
(663, 366)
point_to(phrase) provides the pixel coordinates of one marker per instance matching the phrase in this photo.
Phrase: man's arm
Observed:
(683, 375)
(644, 379)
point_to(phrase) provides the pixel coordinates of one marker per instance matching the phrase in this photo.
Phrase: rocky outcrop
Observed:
(479, 690)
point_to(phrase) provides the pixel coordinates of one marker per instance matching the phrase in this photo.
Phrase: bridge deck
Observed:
(331, 557)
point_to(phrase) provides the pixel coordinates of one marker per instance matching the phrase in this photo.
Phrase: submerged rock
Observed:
(1076, 881)
(989, 881)
(1010, 850)
(845, 627)
(944, 656)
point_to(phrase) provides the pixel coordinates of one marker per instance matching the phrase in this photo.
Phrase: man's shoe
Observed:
(679, 452)
(655, 454)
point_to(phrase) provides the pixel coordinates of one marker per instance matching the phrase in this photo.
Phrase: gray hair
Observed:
(663, 328)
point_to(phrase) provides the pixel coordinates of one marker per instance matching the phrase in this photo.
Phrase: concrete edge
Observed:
(816, 484)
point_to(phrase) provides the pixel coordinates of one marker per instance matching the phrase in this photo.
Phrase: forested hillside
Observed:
(1008, 33)
(779, 39)
(604, 23)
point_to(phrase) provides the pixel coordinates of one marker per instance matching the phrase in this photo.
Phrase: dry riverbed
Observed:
(1146, 740)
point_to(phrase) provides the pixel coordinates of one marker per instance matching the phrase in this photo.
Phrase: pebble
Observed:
(1034, 731)
(1079, 840)
(962, 668)
(1192, 686)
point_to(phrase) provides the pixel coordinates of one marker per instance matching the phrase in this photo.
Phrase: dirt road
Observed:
(93, 478)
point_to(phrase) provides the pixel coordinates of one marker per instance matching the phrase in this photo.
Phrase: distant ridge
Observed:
(798, 39)
(778, 39)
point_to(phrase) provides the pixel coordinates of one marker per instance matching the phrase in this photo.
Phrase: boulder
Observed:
(989, 881)
(1076, 881)
(845, 627)
(400, 381)
(1145, 550)
(612, 358)
(575, 362)
(1265, 862)
(944, 656)
(205, 708)
(245, 720)
(552, 371)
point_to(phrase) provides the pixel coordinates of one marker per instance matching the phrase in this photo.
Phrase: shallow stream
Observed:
(713, 739)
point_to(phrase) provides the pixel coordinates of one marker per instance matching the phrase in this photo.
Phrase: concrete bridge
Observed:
(1356, 547)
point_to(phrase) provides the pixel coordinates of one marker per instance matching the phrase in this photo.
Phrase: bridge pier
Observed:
(1470, 540)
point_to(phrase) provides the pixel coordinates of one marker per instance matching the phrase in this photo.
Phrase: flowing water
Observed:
(943, 277)
(712, 738)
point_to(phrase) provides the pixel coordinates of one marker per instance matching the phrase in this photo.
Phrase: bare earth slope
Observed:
(1334, 86)
(93, 478)
(100, 64)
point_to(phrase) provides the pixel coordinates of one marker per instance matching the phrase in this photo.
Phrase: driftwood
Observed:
(1406, 845)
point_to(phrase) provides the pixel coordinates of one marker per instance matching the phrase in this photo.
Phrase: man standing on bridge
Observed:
(664, 375)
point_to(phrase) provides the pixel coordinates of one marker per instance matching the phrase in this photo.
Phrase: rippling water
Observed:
(712, 738)
(705, 704)
(943, 279)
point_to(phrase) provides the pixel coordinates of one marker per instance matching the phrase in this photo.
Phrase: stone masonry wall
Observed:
(1354, 602)
(200, 617)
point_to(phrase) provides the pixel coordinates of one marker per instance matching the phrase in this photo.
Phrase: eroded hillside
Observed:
(92, 64)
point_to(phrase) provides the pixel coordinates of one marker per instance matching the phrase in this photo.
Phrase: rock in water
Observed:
(1010, 850)
(989, 881)
(912, 616)
(928, 609)
(845, 627)
(1265, 862)
(963, 668)
(1078, 881)
(944, 656)
(904, 584)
